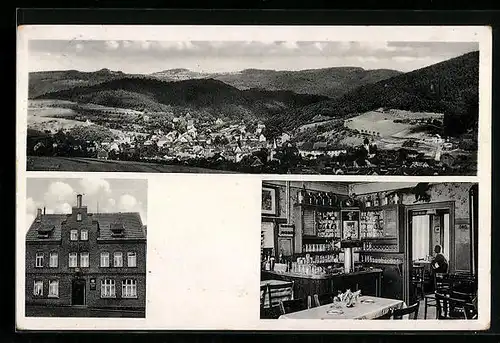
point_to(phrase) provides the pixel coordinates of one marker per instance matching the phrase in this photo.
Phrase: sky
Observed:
(111, 195)
(144, 57)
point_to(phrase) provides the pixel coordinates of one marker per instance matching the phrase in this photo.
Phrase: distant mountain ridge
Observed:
(331, 82)
(449, 87)
(209, 95)
(43, 82)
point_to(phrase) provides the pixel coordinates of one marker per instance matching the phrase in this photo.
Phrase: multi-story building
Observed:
(96, 260)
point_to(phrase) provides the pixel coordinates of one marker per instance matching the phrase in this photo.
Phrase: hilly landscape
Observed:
(330, 82)
(52, 81)
(206, 95)
(450, 87)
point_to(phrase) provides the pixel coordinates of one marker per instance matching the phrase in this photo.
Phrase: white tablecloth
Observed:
(367, 307)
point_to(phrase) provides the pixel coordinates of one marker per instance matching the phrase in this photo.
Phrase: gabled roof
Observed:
(131, 221)
(54, 220)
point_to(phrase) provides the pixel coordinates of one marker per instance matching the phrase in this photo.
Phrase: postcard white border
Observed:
(263, 33)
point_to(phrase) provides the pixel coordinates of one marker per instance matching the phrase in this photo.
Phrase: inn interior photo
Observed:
(343, 250)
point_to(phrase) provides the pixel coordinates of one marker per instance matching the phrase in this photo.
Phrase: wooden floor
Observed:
(431, 311)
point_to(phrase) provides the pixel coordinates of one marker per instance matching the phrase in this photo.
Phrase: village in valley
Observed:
(247, 146)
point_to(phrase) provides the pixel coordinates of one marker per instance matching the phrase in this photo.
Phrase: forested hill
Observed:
(212, 96)
(450, 87)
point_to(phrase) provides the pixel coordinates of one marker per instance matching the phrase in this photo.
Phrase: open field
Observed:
(382, 123)
(77, 164)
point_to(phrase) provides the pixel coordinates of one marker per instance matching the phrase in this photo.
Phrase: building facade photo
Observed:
(87, 263)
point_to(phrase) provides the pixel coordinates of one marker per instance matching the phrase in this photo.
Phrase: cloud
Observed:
(58, 192)
(63, 208)
(31, 206)
(92, 186)
(127, 202)
(112, 44)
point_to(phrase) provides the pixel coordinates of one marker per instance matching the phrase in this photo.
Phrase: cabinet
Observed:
(383, 246)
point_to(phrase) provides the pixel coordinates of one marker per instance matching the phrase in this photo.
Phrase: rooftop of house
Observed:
(52, 224)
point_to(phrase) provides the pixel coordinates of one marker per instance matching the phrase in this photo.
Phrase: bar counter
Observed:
(368, 280)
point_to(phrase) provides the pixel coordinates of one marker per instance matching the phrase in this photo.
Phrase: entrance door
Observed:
(78, 292)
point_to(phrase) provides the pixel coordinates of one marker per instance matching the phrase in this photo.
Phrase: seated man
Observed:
(439, 263)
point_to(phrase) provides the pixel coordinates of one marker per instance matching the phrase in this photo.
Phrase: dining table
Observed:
(367, 307)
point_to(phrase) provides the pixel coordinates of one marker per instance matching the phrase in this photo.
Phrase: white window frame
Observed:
(78, 217)
(39, 260)
(53, 289)
(84, 235)
(104, 258)
(129, 288)
(53, 259)
(84, 259)
(73, 256)
(131, 257)
(108, 288)
(73, 235)
(38, 285)
(118, 256)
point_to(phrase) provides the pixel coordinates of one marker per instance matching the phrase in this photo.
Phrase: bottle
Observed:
(267, 265)
(301, 195)
(368, 202)
(328, 200)
(307, 197)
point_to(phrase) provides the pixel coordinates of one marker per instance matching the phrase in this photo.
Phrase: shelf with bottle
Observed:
(379, 201)
(396, 259)
(327, 223)
(379, 246)
(318, 199)
(318, 248)
(319, 238)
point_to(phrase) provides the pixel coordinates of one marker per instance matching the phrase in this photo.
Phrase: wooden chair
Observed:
(265, 311)
(410, 310)
(442, 286)
(277, 293)
(417, 280)
(323, 299)
(295, 305)
(452, 308)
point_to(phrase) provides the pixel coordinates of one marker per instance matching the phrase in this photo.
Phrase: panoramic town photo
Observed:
(85, 248)
(278, 107)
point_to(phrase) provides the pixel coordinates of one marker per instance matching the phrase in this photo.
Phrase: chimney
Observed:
(44, 210)
(38, 214)
(79, 200)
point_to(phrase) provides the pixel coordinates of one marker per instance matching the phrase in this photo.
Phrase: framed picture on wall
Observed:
(269, 201)
(350, 224)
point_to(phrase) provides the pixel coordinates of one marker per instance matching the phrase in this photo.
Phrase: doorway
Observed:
(428, 225)
(428, 229)
(78, 292)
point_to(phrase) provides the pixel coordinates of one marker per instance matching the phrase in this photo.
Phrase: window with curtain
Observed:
(446, 236)
(420, 237)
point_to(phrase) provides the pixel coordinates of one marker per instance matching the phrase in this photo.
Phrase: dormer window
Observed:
(44, 230)
(78, 217)
(117, 229)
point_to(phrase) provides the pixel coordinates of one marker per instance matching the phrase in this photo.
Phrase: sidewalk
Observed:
(72, 311)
